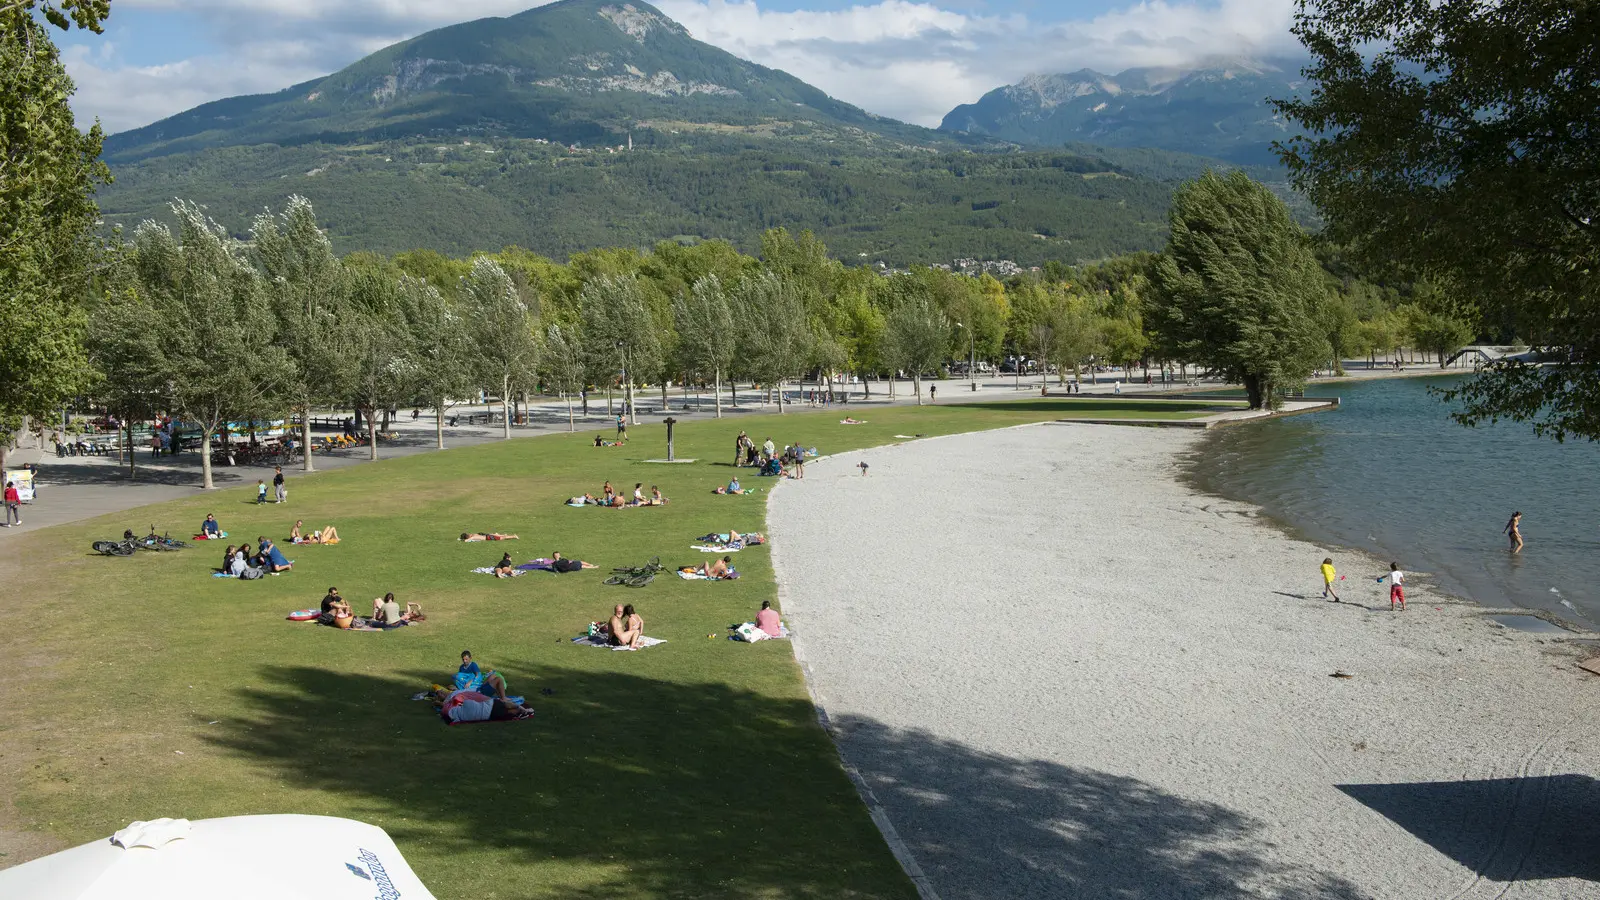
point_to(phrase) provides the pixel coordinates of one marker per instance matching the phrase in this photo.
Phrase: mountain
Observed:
(597, 123)
(573, 72)
(1218, 109)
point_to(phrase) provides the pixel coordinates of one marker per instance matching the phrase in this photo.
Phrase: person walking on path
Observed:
(277, 485)
(933, 391)
(1397, 588)
(1513, 531)
(1327, 580)
(13, 504)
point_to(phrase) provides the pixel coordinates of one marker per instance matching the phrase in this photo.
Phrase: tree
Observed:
(1079, 337)
(1238, 288)
(213, 328)
(122, 346)
(382, 361)
(775, 337)
(917, 337)
(563, 365)
(705, 331)
(439, 347)
(1458, 138)
(48, 250)
(500, 326)
(619, 331)
(308, 287)
(1440, 334)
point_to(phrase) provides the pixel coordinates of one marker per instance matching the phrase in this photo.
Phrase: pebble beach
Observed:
(1058, 672)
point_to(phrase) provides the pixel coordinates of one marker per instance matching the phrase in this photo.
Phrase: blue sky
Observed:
(910, 59)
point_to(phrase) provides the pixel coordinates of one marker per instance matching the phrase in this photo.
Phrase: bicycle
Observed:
(637, 576)
(115, 548)
(153, 541)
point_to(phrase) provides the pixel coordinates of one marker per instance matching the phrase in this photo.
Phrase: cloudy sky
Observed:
(909, 59)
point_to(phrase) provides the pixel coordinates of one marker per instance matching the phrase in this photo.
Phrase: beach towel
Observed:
(717, 548)
(852, 421)
(749, 633)
(537, 565)
(489, 570)
(696, 576)
(599, 640)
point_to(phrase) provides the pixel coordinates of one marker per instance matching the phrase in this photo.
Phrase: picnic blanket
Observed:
(537, 565)
(848, 421)
(365, 623)
(696, 576)
(599, 640)
(489, 570)
(717, 548)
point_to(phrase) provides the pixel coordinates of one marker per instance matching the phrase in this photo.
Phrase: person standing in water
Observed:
(1513, 531)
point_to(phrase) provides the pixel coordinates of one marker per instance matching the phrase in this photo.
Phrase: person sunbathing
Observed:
(626, 628)
(655, 497)
(329, 535)
(474, 537)
(504, 568)
(559, 564)
(585, 500)
(604, 628)
(616, 502)
(717, 568)
(472, 706)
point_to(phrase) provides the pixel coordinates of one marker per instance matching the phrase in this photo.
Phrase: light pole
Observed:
(972, 355)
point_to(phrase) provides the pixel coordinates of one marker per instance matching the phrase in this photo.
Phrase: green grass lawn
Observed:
(142, 687)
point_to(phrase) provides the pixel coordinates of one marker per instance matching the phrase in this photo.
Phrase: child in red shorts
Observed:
(1397, 586)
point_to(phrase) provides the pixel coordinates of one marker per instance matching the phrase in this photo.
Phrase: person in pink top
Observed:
(767, 619)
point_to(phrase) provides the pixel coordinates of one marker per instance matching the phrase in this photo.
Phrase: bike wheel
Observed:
(175, 544)
(615, 579)
(122, 550)
(105, 547)
(639, 581)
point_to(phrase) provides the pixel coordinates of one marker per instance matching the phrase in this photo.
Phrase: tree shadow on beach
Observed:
(619, 786)
(1504, 829)
(991, 827)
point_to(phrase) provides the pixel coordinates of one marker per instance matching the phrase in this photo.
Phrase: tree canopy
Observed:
(1462, 139)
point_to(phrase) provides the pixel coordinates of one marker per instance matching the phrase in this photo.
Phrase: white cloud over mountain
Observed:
(908, 60)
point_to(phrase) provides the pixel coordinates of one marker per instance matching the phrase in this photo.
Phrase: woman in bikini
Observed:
(1513, 531)
(626, 628)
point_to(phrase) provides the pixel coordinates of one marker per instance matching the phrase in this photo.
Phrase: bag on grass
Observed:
(749, 633)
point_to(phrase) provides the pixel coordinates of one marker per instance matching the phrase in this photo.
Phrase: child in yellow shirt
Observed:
(1327, 580)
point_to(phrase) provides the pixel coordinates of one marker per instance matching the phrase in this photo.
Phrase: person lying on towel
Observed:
(474, 537)
(505, 568)
(472, 706)
(329, 535)
(717, 568)
(558, 564)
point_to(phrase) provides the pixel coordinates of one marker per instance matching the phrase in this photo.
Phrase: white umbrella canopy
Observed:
(283, 857)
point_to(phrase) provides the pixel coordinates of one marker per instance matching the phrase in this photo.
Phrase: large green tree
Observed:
(501, 327)
(620, 332)
(706, 340)
(48, 252)
(1462, 138)
(916, 336)
(774, 334)
(214, 330)
(1238, 288)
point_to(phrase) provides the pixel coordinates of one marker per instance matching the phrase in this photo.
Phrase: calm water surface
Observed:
(1388, 472)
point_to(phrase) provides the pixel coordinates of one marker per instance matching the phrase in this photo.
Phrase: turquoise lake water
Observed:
(1390, 473)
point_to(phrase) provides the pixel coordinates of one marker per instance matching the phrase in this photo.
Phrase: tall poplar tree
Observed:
(1238, 288)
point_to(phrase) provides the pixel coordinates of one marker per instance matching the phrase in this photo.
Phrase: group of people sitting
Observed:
(329, 535)
(250, 563)
(625, 628)
(477, 696)
(768, 459)
(386, 612)
(613, 500)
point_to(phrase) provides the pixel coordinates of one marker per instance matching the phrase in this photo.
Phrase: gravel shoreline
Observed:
(1061, 673)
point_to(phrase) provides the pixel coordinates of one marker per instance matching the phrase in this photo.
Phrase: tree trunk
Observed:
(1255, 389)
(664, 397)
(305, 438)
(505, 404)
(718, 389)
(205, 459)
(628, 408)
(372, 431)
(438, 422)
(129, 429)
(733, 389)
(571, 424)
(609, 413)
(780, 396)
(916, 384)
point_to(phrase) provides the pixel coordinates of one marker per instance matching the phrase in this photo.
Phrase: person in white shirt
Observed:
(1397, 589)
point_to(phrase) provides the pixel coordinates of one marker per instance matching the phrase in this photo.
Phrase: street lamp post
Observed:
(972, 355)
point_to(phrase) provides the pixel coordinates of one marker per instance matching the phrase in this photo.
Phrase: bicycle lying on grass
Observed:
(637, 576)
(129, 543)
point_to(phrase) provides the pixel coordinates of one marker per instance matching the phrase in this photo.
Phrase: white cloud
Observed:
(908, 60)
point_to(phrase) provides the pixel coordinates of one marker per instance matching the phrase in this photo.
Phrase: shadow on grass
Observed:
(698, 790)
(628, 786)
(988, 826)
(1504, 829)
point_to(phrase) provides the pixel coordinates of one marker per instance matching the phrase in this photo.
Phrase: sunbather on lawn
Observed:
(584, 500)
(655, 497)
(505, 568)
(608, 493)
(604, 628)
(329, 535)
(474, 537)
(559, 564)
(386, 612)
(626, 628)
(717, 568)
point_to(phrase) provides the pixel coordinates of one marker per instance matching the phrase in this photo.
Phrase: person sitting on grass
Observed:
(334, 608)
(504, 568)
(655, 497)
(559, 564)
(732, 488)
(386, 612)
(767, 619)
(616, 502)
(638, 494)
(607, 493)
(626, 628)
(603, 629)
(210, 528)
(717, 568)
(272, 559)
(227, 560)
(474, 537)
(470, 678)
